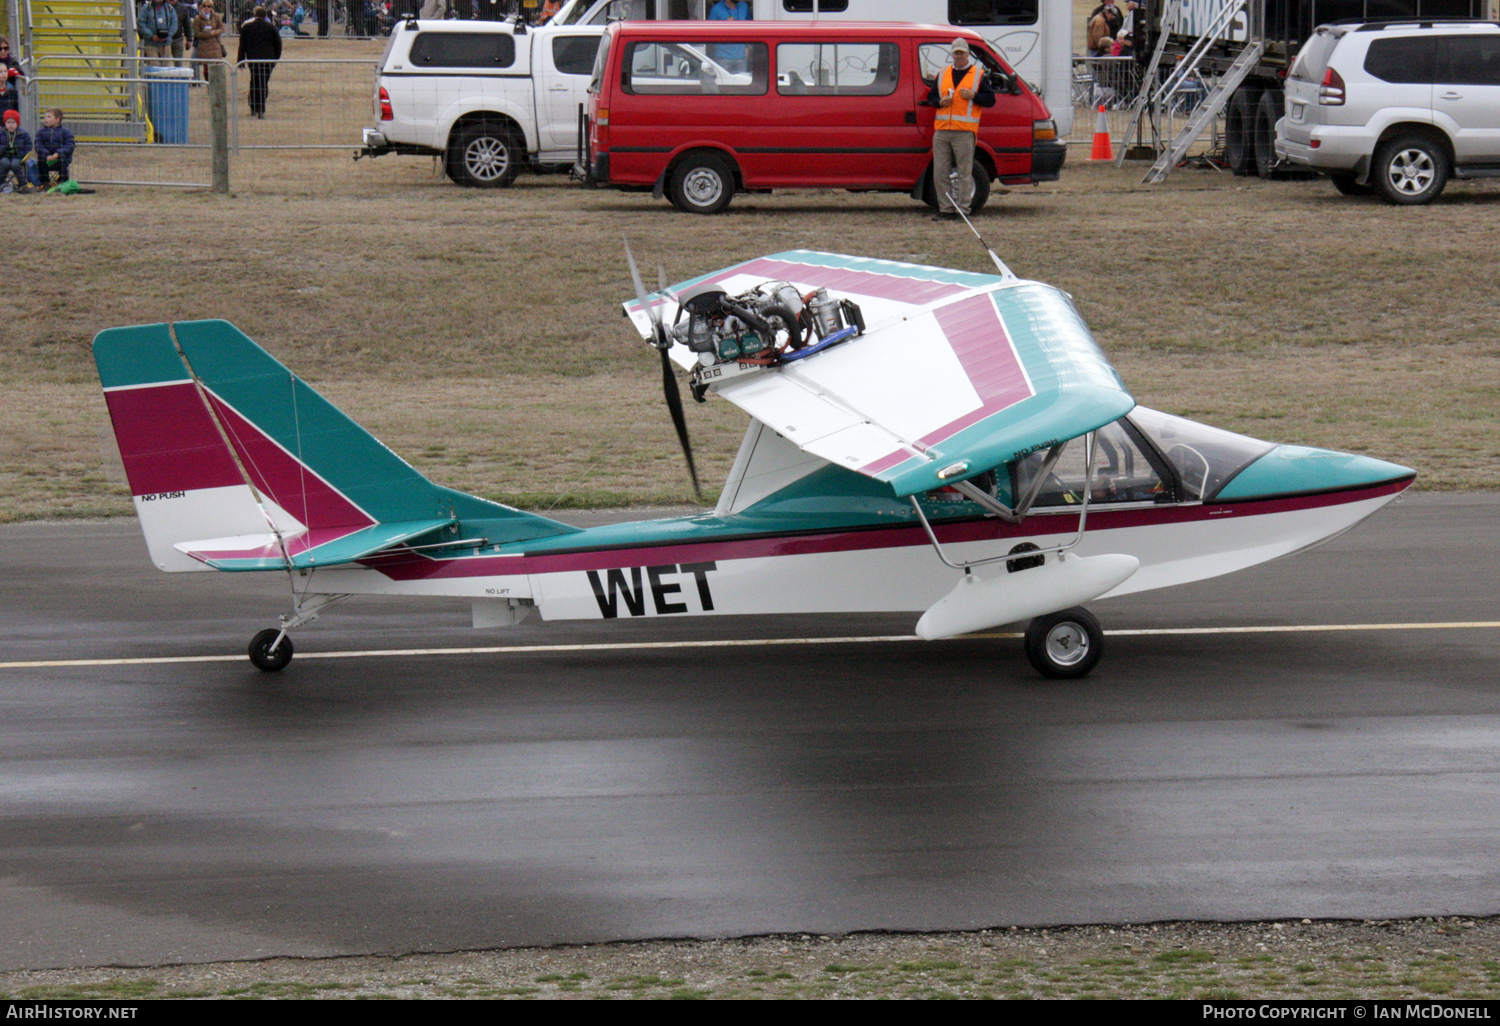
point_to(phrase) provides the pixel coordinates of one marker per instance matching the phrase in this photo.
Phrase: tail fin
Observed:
(235, 463)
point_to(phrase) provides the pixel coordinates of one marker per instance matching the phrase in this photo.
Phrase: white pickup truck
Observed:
(492, 98)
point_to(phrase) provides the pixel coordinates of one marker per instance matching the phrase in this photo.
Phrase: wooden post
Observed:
(218, 118)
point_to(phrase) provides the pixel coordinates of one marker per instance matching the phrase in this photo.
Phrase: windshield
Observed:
(1124, 471)
(1204, 457)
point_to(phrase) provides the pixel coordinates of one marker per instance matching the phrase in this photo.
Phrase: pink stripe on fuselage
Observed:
(414, 566)
(168, 441)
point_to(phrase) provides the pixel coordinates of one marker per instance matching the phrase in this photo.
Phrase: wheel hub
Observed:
(703, 187)
(487, 159)
(1067, 644)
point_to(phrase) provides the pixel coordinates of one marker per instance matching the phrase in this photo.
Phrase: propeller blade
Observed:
(674, 405)
(652, 313)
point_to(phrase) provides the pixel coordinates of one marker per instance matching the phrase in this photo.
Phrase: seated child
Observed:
(54, 147)
(15, 149)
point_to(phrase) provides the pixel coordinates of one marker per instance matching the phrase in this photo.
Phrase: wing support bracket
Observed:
(1020, 511)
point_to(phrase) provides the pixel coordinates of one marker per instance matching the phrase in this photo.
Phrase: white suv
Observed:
(1395, 108)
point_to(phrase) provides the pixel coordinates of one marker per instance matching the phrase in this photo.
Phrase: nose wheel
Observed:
(1066, 644)
(271, 650)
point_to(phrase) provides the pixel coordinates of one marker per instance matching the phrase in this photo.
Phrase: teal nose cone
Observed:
(1299, 470)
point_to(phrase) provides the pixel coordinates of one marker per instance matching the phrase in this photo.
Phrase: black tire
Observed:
(1268, 110)
(702, 183)
(1409, 170)
(981, 188)
(1066, 644)
(261, 654)
(1239, 125)
(485, 156)
(1347, 183)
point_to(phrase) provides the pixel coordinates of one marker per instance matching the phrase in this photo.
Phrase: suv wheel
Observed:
(485, 156)
(702, 184)
(1410, 169)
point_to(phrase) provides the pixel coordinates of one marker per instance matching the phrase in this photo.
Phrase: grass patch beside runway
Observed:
(1443, 958)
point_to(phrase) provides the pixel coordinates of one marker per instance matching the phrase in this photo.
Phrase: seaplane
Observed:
(941, 442)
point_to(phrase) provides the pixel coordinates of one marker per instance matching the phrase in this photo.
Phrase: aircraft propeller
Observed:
(670, 388)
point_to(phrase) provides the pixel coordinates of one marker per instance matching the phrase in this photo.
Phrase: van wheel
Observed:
(1410, 170)
(702, 184)
(981, 188)
(485, 157)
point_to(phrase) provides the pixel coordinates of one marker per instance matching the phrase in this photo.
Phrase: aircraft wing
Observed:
(954, 368)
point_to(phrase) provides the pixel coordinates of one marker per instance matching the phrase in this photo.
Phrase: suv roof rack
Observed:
(1376, 26)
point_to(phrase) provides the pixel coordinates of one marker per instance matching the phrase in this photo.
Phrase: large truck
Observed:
(1034, 36)
(1281, 26)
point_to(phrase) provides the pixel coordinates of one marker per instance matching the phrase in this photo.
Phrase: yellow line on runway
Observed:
(728, 643)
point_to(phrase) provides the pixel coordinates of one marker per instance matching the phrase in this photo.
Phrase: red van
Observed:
(701, 110)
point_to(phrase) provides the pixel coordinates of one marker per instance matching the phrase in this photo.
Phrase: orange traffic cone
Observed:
(1102, 149)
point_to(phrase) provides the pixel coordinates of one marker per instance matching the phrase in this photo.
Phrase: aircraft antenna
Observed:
(1005, 272)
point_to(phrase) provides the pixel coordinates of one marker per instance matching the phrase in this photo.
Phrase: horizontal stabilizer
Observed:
(1062, 582)
(307, 551)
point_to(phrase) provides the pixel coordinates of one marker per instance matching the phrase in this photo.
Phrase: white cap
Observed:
(959, 44)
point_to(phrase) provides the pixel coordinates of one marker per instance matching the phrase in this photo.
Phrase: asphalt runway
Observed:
(163, 812)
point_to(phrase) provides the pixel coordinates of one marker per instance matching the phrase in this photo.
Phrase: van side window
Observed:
(806, 6)
(992, 12)
(1472, 60)
(1406, 59)
(662, 68)
(837, 69)
(574, 55)
(463, 50)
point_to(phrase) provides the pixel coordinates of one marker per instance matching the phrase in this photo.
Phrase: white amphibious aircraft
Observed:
(936, 441)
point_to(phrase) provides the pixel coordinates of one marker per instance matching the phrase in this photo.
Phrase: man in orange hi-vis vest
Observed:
(958, 94)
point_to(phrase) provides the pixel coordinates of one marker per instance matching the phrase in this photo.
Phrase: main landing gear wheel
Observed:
(261, 654)
(1066, 644)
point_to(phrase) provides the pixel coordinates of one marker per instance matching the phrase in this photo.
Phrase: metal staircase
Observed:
(82, 57)
(1161, 95)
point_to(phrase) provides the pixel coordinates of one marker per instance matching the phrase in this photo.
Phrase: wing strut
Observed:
(1020, 511)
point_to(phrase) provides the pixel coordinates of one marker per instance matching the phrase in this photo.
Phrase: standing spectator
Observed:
(731, 55)
(208, 28)
(730, 10)
(958, 93)
(156, 24)
(325, 17)
(15, 147)
(54, 149)
(182, 39)
(434, 10)
(10, 79)
(260, 47)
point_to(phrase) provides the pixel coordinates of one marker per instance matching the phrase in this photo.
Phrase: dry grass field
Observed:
(479, 334)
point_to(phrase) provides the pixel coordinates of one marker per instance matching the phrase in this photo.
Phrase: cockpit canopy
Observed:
(1146, 456)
